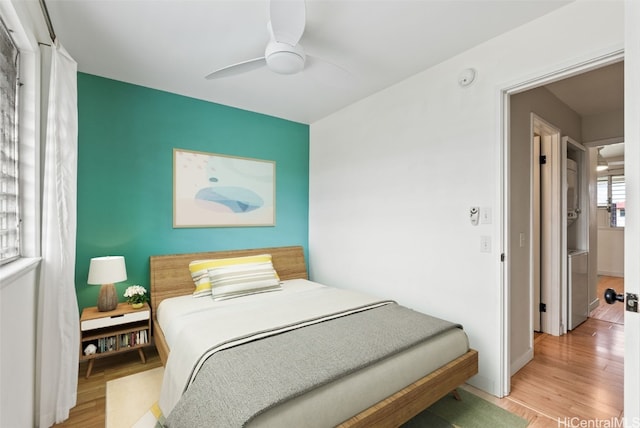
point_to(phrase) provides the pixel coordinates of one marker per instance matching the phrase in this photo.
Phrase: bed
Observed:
(170, 278)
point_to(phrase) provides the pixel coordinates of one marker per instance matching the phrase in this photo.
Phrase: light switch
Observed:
(485, 215)
(522, 240)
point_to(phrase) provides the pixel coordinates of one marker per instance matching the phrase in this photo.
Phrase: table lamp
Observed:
(106, 271)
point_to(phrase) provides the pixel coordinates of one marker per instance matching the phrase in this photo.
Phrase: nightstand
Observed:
(121, 330)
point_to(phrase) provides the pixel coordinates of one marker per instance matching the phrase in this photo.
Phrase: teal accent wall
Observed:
(126, 137)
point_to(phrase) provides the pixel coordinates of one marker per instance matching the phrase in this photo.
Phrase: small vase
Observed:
(137, 305)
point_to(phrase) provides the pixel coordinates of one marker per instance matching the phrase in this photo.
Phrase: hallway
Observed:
(578, 375)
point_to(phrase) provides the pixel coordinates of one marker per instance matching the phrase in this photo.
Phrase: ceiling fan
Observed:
(284, 54)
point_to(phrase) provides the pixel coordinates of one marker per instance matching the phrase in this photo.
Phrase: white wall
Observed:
(392, 177)
(611, 251)
(18, 351)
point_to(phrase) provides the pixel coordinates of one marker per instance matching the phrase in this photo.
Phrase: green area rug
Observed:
(471, 412)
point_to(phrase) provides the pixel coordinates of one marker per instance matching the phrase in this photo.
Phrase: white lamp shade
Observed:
(107, 270)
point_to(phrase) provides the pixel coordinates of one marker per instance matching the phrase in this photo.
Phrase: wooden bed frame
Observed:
(170, 277)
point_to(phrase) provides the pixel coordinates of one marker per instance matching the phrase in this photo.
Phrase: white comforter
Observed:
(196, 328)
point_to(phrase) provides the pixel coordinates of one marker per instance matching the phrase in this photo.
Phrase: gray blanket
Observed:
(235, 385)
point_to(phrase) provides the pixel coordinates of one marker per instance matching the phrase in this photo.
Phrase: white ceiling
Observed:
(593, 93)
(172, 44)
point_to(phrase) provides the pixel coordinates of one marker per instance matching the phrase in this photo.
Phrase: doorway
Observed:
(520, 229)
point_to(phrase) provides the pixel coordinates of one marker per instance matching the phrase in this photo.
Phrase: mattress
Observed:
(338, 400)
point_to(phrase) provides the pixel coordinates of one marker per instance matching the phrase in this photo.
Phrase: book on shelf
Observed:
(106, 344)
(139, 337)
(125, 340)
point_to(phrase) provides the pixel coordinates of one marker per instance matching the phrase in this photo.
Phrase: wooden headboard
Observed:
(170, 276)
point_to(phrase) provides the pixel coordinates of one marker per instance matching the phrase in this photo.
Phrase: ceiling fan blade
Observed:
(239, 68)
(287, 20)
(328, 73)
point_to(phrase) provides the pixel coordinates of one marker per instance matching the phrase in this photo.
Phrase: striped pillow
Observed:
(260, 274)
(243, 279)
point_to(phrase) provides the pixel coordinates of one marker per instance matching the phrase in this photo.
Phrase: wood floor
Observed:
(578, 375)
(606, 312)
(90, 410)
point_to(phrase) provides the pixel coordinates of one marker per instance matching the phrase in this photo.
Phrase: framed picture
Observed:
(212, 190)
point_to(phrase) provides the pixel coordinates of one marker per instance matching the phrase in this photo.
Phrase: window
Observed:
(603, 191)
(9, 206)
(612, 196)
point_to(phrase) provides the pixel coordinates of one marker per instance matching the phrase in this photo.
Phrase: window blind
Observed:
(9, 202)
(618, 192)
(603, 191)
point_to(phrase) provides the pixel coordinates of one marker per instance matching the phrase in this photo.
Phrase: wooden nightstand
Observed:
(121, 330)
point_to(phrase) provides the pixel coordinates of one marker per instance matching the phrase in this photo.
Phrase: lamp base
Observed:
(107, 298)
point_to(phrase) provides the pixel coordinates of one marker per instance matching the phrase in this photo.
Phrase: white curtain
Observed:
(58, 323)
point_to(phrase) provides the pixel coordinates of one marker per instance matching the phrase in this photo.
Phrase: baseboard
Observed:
(607, 273)
(593, 305)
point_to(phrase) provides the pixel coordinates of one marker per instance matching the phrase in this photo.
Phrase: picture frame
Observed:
(214, 190)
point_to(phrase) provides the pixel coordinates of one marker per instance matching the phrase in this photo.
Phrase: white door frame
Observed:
(504, 95)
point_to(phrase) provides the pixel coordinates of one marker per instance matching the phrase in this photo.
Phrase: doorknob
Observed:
(610, 296)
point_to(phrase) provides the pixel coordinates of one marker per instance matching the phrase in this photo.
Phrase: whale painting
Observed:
(213, 190)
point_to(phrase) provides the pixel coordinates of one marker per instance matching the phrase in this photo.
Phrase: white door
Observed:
(552, 251)
(632, 222)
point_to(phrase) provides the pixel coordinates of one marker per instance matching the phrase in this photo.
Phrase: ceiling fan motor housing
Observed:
(283, 58)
